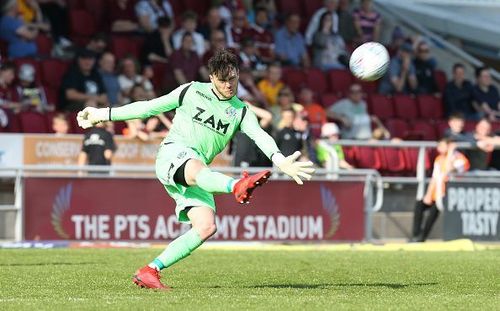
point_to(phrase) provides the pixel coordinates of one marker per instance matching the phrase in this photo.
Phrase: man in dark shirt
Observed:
(486, 97)
(82, 86)
(485, 143)
(288, 139)
(98, 146)
(458, 94)
(425, 66)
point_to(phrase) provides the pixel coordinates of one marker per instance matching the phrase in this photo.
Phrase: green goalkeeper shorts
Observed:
(170, 157)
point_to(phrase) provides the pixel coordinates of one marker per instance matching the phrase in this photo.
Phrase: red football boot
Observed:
(246, 185)
(149, 278)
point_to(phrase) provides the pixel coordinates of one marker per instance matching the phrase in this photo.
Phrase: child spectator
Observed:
(60, 124)
(455, 131)
(98, 146)
(330, 133)
(315, 112)
(448, 160)
(30, 94)
(458, 94)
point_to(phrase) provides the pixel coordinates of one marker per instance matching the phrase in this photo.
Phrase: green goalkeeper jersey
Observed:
(202, 121)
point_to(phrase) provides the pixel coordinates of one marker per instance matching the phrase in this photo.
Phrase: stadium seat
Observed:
(430, 107)
(470, 126)
(48, 116)
(441, 126)
(52, 95)
(98, 8)
(122, 46)
(44, 44)
(311, 6)
(316, 80)
(14, 126)
(405, 107)
(424, 130)
(81, 23)
(328, 99)
(398, 128)
(294, 78)
(367, 157)
(369, 87)
(286, 6)
(440, 77)
(52, 72)
(20, 61)
(160, 71)
(411, 159)
(340, 81)
(393, 160)
(350, 154)
(32, 122)
(200, 7)
(73, 124)
(381, 106)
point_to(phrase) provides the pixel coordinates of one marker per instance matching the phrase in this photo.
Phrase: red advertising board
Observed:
(140, 209)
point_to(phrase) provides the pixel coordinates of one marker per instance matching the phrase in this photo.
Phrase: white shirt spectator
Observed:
(145, 8)
(199, 42)
(314, 24)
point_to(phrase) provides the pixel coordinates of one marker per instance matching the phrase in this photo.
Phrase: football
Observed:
(369, 61)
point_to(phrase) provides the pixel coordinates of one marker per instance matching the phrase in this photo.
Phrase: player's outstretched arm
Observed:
(90, 116)
(288, 165)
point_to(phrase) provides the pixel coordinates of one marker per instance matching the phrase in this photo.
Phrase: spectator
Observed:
(189, 23)
(56, 12)
(245, 152)
(82, 86)
(448, 160)
(401, 76)
(425, 67)
(263, 37)
(98, 44)
(329, 48)
(247, 90)
(288, 139)
(107, 66)
(213, 22)
(486, 99)
(346, 22)
(285, 101)
(315, 112)
(455, 131)
(30, 94)
(98, 146)
(458, 95)
(19, 35)
(158, 44)
(330, 133)
(239, 30)
(217, 42)
(130, 76)
(9, 98)
(186, 63)
(290, 44)
(272, 84)
(149, 11)
(31, 14)
(367, 22)
(352, 113)
(60, 124)
(397, 40)
(330, 7)
(122, 17)
(380, 132)
(485, 143)
(250, 59)
(263, 18)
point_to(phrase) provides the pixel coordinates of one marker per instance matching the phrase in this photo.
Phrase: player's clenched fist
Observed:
(90, 116)
(293, 168)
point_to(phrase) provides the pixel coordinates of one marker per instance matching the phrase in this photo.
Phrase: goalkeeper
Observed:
(207, 116)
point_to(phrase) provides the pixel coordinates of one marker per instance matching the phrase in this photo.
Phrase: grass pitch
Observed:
(92, 279)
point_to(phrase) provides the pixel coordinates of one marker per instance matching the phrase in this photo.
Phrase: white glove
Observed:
(90, 116)
(293, 168)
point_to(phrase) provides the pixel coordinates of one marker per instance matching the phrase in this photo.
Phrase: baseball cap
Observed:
(27, 73)
(329, 129)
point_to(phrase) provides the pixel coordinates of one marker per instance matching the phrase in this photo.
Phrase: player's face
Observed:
(227, 87)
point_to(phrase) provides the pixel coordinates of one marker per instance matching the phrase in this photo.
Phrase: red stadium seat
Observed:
(316, 80)
(368, 157)
(98, 8)
(34, 63)
(440, 127)
(44, 44)
(369, 87)
(440, 77)
(393, 160)
(200, 7)
(411, 160)
(73, 124)
(14, 126)
(405, 107)
(311, 6)
(32, 122)
(350, 154)
(424, 130)
(48, 116)
(122, 46)
(287, 6)
(381, 106)
(81, 23)
(470, 126)
(294, 78)
(398, 128)
(52, 95)
(328, 99)
(160, 71)
(52, 72)
(430, 107)
(340, 81)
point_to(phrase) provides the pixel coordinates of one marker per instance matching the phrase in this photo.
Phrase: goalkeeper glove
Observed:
(90, 116)
(293, 168)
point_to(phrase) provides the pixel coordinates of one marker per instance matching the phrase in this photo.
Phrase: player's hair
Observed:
(222, 63)
(456, 115)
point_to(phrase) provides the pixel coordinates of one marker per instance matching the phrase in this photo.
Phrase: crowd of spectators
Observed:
(173, 46)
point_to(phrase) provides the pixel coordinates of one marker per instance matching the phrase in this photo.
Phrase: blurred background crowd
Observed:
(59, 56)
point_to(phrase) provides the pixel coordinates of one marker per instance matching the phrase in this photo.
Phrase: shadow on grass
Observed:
(324, 286)
(17, 264)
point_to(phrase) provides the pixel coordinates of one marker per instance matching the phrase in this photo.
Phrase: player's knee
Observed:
(206, 230)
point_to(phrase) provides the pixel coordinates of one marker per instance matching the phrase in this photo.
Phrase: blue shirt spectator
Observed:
(290, 44)
(401, 75)
(110, 78)
(18, 35)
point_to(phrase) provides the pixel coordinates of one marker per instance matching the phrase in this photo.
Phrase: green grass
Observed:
(267, 280)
